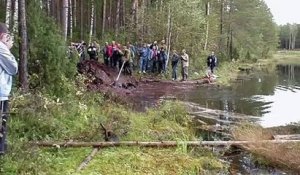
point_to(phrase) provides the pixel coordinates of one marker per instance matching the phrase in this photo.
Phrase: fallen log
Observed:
(212, 118)
(159, 144)
(87, 159)
(287, 137)
(219, 114)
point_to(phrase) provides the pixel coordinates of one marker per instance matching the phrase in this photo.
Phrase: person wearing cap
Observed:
(8, 68)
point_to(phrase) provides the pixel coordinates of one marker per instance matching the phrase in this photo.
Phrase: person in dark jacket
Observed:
(212, 61)
(175, 59)
(92, 51)
(8, 68)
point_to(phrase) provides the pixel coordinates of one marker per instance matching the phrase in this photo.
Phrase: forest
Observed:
(234, 29)
(52, 101)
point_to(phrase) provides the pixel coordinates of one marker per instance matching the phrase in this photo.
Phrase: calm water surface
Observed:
(273, 94)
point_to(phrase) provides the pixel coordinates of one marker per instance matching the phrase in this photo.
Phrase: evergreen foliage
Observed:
(49, 66)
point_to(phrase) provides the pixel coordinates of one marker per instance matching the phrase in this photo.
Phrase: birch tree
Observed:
(103, 18)
(71, 19)
(8, 13)
(65, 7)
(117, 22)
(92, 20)
(15, 17)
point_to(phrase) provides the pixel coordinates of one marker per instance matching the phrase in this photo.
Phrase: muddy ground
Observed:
(128, 88)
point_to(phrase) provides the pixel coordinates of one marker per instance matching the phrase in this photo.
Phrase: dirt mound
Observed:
(102, 78)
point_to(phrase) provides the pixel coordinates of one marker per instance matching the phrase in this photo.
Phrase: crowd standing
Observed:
(145, 58)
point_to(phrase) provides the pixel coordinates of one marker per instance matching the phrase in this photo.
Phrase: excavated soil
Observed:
(141, 93)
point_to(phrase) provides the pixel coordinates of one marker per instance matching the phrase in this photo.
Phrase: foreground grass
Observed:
(281, 155)
(38, 117)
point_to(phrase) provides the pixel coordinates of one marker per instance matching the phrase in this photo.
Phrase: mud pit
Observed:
(143, 92)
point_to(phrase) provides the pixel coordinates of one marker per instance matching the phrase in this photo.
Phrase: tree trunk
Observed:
(75, 13)
(48, 2)
(168, 34)
(287, 137)
(92, 20)
(23, 73)
(87, 159)
(110, 15)
(8, 13)
(160, 144)
(134, 13)
(65, 15)
(103, 18)
(81, 20)
(71, 19)
(207, 26)
(123, 14)
(117, 22)
(15, 17)
(142, 28)
(221, 25)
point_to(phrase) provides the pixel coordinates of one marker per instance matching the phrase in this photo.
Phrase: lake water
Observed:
(271, 94)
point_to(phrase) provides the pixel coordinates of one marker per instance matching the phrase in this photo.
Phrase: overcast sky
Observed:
(285, 11)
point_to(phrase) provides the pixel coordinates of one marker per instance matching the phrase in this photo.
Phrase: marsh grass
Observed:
(283, 155)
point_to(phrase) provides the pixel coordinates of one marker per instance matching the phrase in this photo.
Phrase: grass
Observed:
(287, 57)
(38, 117)
(280, 155)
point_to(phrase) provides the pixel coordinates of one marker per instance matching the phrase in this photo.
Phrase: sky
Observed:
(285, 11)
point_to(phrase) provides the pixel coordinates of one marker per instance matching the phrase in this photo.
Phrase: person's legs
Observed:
(175, 72)
(185, 69)
(212, 68)
(164, 60)
(3, 126)
(105, 60)
(141, 64)
(144, 66)
(154, 65)
(182, 73)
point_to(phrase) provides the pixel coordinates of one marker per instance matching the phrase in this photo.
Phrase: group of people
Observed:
(145, 57)
(150, 58)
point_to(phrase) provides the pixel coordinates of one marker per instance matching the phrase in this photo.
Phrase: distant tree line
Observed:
(289, 36)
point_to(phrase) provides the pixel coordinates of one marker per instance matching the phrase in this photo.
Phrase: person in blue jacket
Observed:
(8, 68)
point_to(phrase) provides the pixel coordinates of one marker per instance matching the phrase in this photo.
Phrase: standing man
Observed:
(144, 55)
(212, 61)
(154, 58)
(175, 59)
(162, 57)
(128, 61)
(105, 54)
(185, 65)
(8, 68)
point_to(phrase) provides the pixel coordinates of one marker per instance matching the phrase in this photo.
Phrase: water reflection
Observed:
(272, 94)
